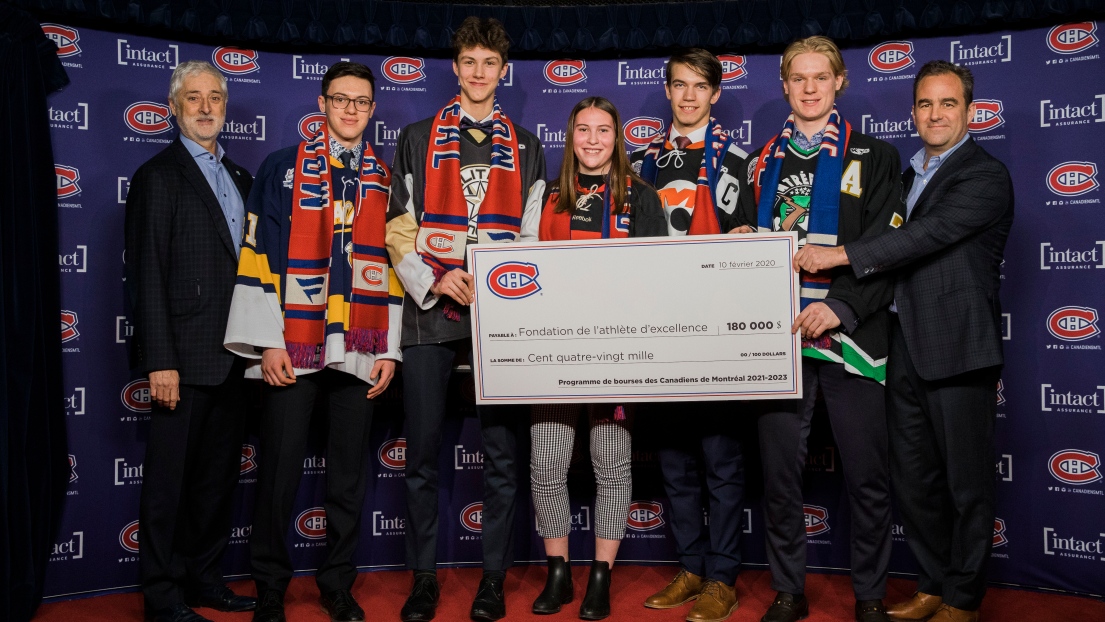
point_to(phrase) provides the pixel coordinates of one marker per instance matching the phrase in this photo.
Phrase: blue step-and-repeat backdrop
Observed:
(1040, 110)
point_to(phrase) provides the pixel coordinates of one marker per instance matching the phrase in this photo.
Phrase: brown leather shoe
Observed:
(917, 609)
(947, 613)
(684, 588)
(715, 603)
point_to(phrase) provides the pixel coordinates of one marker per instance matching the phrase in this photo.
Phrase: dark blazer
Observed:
(181, 267)
(946, 259)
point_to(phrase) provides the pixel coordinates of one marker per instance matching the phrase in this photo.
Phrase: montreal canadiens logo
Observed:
(69, 330)
(128, 537)
(999, 533)
(732, 67)
(72, 468)
(440, 242)
(1074, 466)
(393, 454)
(373, 275)
(891, 56)
(403, 69)
(565, 72)
(645, 515)
(249, 459)
(1071, 179)
(1072, 38)
(148, 118)
(639, 131)
(310, 124)
(136, 396)
(64, 37)
(513, 280)
(471, 517)
(987, 115)
(234, 60)
(67, 178)
(817, 520)
(311, 524)
(1073, 323)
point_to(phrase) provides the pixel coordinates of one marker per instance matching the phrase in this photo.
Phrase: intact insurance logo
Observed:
(990, 52)
(235, 61)
(1083, 112)
(564, 74)
(513, 280)
(639, 131)
(891, 57)
(73, 548)
(642, 72)
(1087, 257)
(403, 71)
(1057, 400)
(1073, 324)
(155, 55)
(69, 118)
(303, 69)
(1073, 547)
(1076, 467)
(1072, 41)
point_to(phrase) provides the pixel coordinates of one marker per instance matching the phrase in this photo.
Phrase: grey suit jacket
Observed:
(946, 260)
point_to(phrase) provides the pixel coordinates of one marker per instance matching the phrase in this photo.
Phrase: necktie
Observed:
(346, 158)
(681, 143)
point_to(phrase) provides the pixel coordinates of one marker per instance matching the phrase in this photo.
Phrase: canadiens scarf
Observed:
(703, 221)
(316, 271)
(443, 232)
(558, 226)
(824, 211)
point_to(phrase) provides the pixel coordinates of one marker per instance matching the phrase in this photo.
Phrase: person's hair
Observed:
(699, 61)
(818, 45)
(619, 161)
(941, 67)
(345, 68)
(190, 68)
(481, 32)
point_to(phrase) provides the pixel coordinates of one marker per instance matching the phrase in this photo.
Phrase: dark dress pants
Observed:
(696, 449)
(284, 430)
(857, 413)
(942, 465)
(426, 372)
(193, 457)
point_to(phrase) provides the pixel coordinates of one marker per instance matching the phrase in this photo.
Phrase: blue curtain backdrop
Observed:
(1041, 110)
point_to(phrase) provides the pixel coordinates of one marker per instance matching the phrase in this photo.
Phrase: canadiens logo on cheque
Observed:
(1075, 466)
(513, 280)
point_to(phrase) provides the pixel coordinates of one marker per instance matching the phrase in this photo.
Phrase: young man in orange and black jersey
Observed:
(465, 175)
(696, 169)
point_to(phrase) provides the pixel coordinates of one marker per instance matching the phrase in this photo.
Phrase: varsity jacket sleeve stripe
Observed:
(531, 214)
(402, 223)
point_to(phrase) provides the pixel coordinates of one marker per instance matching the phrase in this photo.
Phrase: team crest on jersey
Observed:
(639, 131)
(471, 517)
(64, 37)
(403, 69)
(128, 537)
(249, 460)
(999, 533)
(645, 515)
(136, 395)
(891, 57)
(1073, 323)
(310, 124)
(311, 523)
(67, 178)
(987, 115)
(513, 280)
(732, 67)
(148, 118)
(565, 72)
(69, 330)
(235, 61)
(1072, 38)
(1075, 466)
(393, 454)
(1071, 179)
(817, 520)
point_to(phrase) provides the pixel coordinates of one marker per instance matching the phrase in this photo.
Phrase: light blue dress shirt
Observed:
(218, 177)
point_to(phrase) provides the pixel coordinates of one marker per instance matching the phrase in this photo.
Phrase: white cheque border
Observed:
(502, 251)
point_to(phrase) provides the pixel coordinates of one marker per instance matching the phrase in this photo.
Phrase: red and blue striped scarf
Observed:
(703, 221)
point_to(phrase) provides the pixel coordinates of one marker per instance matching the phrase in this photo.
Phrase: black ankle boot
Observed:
(558, 587)
(596, 603)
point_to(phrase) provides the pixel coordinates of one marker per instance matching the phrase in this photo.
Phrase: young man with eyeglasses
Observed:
(318, 311)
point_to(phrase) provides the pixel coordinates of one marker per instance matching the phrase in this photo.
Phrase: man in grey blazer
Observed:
(945, 345)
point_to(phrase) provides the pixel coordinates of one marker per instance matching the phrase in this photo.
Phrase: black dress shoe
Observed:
(558, 587)
(596, 602)
(421, 605)
(176, 613)
(787, 608)
(341, 606)
(270, 607)
(489, 604)
(871, 611)
(220, 598)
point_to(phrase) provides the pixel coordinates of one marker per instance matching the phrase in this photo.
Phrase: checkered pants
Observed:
(552, 432)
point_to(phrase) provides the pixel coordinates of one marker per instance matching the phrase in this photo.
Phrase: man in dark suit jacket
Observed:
(183, 231)
(945, 347)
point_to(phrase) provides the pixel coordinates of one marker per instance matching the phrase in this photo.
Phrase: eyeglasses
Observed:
(341, 102)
